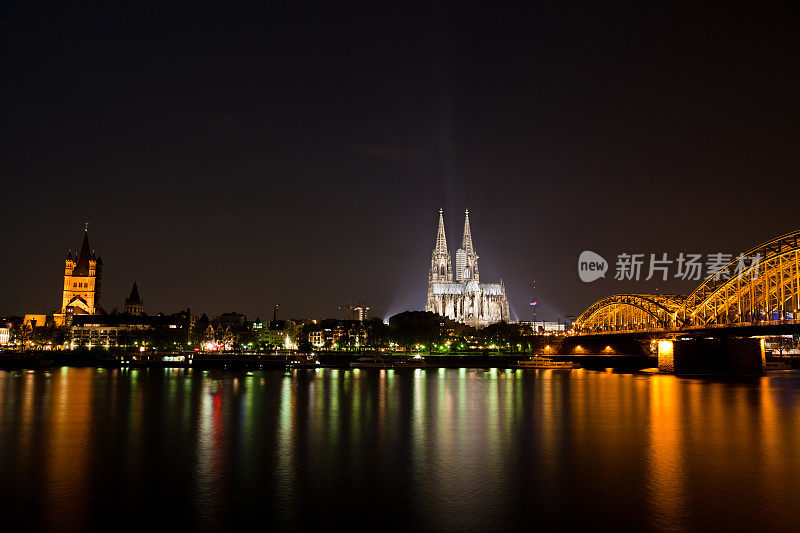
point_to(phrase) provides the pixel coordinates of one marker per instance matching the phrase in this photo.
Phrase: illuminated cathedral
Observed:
(463, 299)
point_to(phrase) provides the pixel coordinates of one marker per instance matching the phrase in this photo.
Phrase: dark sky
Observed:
(228, 158)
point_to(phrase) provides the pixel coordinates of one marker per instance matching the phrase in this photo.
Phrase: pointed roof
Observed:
(134, 298)
(82, 267)
(466, 243)
(441, 238)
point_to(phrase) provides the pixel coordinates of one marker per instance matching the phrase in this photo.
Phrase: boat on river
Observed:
(395, 363)
(546, 363)
(778, 365)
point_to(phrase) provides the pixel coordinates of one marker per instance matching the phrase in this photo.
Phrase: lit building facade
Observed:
(317, 338)
(463, 297)
(546, 326)
(129, 330)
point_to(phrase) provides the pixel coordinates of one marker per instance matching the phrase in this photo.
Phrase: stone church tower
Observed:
(83, 275)
(133, 303)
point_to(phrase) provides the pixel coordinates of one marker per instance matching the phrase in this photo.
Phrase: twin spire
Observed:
(466, 259)
(441, 238)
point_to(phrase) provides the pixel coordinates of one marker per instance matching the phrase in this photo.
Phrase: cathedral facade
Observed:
(460, 295)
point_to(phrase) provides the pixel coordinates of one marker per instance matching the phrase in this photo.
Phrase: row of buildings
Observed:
(80, 322)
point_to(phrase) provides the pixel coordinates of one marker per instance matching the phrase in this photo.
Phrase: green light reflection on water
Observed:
(334, 393)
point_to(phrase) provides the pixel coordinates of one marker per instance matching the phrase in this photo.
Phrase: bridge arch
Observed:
(630, 312)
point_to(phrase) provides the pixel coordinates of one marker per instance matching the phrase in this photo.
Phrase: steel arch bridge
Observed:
(630, 312)
(759, 287)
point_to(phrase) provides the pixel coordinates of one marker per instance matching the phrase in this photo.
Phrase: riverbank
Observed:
(260, 361)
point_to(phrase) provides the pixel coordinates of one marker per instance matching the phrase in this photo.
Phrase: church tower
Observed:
(466, 258)
(133, 303)
(82, 281)
(441, 265)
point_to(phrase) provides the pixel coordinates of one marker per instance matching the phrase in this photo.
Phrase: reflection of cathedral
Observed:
(465, 299)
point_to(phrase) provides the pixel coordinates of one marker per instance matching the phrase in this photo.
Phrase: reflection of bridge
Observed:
(756, 294)
(762, 288)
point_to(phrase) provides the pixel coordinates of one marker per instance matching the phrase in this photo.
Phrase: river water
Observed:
(436, 449)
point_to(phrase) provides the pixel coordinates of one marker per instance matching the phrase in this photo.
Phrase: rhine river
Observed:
(435, 449)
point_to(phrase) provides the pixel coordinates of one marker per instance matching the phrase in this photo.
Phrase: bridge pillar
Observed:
(713, 356)
(666, 356)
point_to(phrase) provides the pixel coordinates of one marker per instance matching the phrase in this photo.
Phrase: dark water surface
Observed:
(431, 449)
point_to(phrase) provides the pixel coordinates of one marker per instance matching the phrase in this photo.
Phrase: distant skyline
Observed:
(231, 158)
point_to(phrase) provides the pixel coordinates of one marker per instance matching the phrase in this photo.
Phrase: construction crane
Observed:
(358, 311)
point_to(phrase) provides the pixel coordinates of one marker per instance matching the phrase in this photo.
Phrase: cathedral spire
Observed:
(466, 258)
(466, 243)
(441, 239)
(441, 267)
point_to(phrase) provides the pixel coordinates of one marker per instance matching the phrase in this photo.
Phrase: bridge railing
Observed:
(613, 332)
(785, 321)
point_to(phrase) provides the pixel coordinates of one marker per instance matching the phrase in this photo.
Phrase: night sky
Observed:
(229, 158)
